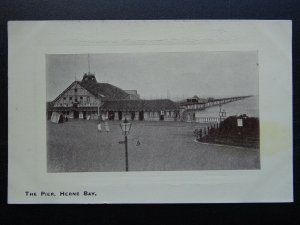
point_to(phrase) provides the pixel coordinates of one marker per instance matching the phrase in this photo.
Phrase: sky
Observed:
(160, 75)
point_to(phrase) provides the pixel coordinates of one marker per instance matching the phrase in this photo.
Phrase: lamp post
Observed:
(222, 113)
(125, 127)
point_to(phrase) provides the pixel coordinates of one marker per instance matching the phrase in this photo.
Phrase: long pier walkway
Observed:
(188, 109)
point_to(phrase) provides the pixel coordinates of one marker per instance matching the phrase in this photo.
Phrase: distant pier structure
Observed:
(189, 107)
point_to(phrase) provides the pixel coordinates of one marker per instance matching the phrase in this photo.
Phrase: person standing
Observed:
(106, 126)
(99, 123)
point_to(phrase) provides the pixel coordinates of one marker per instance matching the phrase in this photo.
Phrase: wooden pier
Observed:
(188, 109)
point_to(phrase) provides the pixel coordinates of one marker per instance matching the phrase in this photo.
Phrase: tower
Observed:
(88, 77)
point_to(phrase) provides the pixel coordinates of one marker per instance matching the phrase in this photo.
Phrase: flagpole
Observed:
(89, 62)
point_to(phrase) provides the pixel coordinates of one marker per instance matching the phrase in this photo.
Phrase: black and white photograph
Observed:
(150, 112)
(156, 111)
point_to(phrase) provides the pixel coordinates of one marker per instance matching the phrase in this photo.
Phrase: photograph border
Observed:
(118, 186)
(136, 71)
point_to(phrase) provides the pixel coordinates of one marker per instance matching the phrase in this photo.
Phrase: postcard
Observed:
(150, 111)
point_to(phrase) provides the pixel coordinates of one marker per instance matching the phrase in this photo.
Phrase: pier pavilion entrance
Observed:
(141, 115)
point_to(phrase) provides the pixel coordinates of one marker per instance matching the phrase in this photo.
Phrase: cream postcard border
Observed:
(30, 41)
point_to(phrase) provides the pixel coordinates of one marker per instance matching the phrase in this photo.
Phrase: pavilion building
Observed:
(89, 99)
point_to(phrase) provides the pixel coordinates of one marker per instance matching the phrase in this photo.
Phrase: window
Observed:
(81, 98)
(76, 100)
(64, 98)
(70, 98)
(88, 99)
(75, 89)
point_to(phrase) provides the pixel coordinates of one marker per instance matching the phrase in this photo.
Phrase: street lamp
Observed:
(125, 127)
(222, 113)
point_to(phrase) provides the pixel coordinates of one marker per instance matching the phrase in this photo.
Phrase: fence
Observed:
(207, 119)
(211, 134)
(200, 133)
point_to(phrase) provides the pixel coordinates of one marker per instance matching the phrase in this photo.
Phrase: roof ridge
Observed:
(106, 89)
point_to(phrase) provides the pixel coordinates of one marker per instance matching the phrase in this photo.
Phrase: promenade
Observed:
(77, 146)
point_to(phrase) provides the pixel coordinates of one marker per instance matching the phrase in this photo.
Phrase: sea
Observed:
(248, 106)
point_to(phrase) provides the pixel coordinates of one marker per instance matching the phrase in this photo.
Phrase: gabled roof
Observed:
(61, 94)
(140, 105)
(104, 90)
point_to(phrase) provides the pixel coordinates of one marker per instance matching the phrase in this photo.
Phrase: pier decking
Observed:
(188, 109)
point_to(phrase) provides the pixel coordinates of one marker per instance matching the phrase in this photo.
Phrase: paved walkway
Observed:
(77, 146)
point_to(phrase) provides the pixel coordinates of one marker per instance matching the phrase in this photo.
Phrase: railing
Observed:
(207, 119)
(211, 134)
(200, 106)
(200, 133)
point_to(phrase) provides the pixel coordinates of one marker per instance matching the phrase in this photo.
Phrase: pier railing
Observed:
(188, 109)
(203, 119)
(207, 119)
(229, 133)
(212, 102)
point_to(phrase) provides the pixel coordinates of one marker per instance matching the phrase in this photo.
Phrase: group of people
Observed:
(106, 126)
